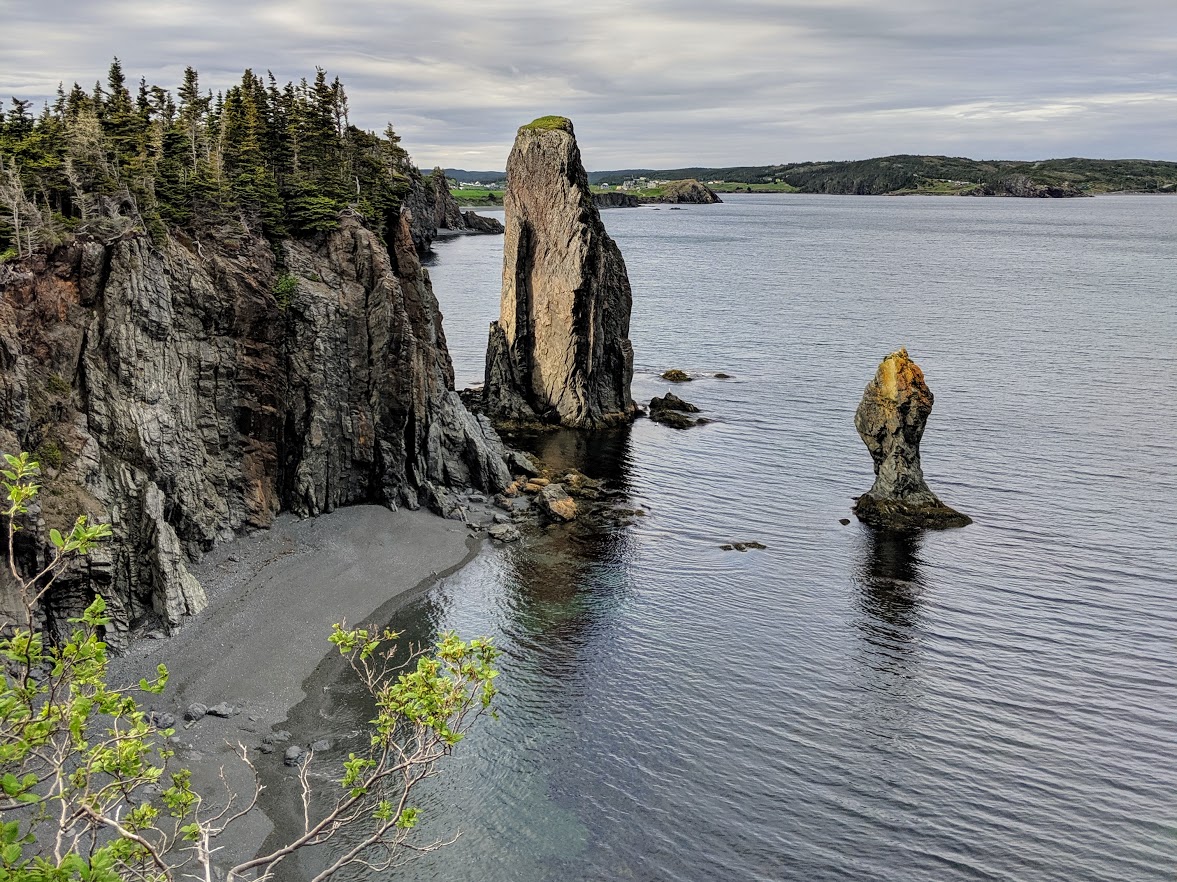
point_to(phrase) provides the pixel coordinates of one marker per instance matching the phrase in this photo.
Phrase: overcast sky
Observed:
(661, 83)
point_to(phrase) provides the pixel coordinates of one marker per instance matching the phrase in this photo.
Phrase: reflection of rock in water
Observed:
(602, 454)
(890, 581)
(567, 578)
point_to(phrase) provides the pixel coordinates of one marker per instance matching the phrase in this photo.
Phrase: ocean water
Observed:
(992, 703)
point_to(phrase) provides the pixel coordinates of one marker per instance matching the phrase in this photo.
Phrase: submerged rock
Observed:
(890, 420)
(744, 546)
(560, 351)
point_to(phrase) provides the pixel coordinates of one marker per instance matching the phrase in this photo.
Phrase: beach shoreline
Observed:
(273, 598)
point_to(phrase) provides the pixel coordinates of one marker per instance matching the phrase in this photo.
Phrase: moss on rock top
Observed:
(547, 124)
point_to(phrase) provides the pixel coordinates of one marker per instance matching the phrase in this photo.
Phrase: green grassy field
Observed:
(478, 196)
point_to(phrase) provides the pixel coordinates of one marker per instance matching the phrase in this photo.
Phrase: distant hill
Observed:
(913, 174)
(935, 174)
(470, 177)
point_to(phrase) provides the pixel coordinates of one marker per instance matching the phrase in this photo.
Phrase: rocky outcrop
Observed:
(445, 206)
(476, 223)
(1022, 187)
(555, 503)
(891, 419)
(670, 410)
(431, 207)
(688, 192)
(188, 392)
(616, 199)
(420, 207)
(560, 351)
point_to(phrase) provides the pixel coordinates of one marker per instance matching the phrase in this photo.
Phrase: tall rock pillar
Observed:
(890, 420)
(560, 351)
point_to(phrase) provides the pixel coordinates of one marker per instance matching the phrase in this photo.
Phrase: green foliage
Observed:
(478, 196)
(285, 288)
(49, 452)
(58, 386)
(548, 124)
(278, 160)
(86, 794)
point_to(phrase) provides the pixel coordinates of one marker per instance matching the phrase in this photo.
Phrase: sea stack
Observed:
(560, 351)
(890, 420)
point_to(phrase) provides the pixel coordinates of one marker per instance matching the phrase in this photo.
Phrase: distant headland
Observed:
(884, 176)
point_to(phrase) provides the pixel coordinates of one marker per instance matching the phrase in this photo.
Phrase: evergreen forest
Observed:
(261, 158)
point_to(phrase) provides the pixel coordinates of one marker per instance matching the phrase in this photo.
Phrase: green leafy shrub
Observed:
(284, 290)
(86, 792)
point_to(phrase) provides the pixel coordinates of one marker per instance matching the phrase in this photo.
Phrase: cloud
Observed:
(669, 82)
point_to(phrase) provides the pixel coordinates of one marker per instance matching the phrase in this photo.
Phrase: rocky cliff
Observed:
(560, 351)
(890, 420)
(187, 392)
(1023, 187)
(431, 207)
(616, 199)
(686, 192)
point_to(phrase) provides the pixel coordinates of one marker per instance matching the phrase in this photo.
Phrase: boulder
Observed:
(505, 533)
(670, 410)
(554, 501)
(560, 351)
(890, 420)
(476, 223)
(674, 375)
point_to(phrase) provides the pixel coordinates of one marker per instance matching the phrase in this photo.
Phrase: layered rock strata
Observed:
(890, 420)
(187, 392)
(560, 351)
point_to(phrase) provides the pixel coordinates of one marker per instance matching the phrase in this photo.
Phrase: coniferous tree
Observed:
(260, 158)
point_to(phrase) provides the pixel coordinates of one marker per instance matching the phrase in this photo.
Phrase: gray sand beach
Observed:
(273, 598)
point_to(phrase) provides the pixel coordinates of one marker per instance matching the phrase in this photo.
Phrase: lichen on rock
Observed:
(890, 420)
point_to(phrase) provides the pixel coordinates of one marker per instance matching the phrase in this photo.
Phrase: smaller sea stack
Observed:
(560, 351)
(890, 420)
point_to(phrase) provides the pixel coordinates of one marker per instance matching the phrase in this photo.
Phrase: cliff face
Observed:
(688, 192)
(431, 207)
(187, 393)
(560, 351)
(616, 199)
(1021, 186)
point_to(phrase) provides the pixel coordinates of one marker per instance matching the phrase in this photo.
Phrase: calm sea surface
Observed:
(992, 703)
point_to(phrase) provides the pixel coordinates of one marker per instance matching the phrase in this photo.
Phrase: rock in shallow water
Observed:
(890, 420)
(505, 533)
(670, 410)
(554, 501)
